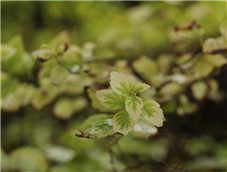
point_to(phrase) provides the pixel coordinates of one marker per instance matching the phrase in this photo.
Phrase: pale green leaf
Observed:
(66, 107)
(57, 44)
(146, 67)
(58, 74)
(122, 84)
(134, 105)
(100, 125)
(144, 129)
(199, 90)
(30, 159)
(141, 87)
(153, 113)
(7, 52)
(223, 29)
(42, 55)
(213, 45)
(217, 60)
(111, 99)
(59, 153)
(123, 123)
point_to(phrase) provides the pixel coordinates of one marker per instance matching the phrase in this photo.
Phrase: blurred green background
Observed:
(38, 140)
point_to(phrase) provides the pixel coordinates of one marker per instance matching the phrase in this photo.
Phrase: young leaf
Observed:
(144, 129)
(122, 84)
(153, 113)
(141, 87)
(134, 105)
(110, 99)
(96, 126)
(123, 123)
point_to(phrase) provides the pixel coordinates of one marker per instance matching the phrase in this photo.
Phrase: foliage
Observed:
(148, 65)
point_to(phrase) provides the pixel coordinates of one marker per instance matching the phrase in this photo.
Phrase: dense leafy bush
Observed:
(142, 85)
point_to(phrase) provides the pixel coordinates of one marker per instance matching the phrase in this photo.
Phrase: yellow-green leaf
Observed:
(123, 123)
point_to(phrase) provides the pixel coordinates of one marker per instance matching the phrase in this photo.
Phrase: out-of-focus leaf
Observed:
(44, 95)
(7, 52)
(17, 98)
(42, 55)
(223, 29)
(19, 62)
(95, 101)
(65, 107)
(199, 90)
(144, 129)
(205, 64)
(59, 153)
(57, 44)
(164, 63)
(58, 74)
(213, 46)
(123, 123)
(61, 168)
(148, 69)
(96, 126)
(185, 107)
(72, 59)
(170, 89)
(30, 159)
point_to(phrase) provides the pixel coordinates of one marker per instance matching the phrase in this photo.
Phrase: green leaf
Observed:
(59, 153)
(7, 52)
(217, 60)
(30, 159)
(66, 107)
(100, 125)
(58, 74)
(110, 99)
(42, 55)
(141, 87)
(223, 29)
(72, 59)
(199, 90)
(18, 62)
(144, 129)
(122, 84)
(153, 113)
(146, 67)
(134, 105)
(214, 45)
(57, 44)
(123, 123)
